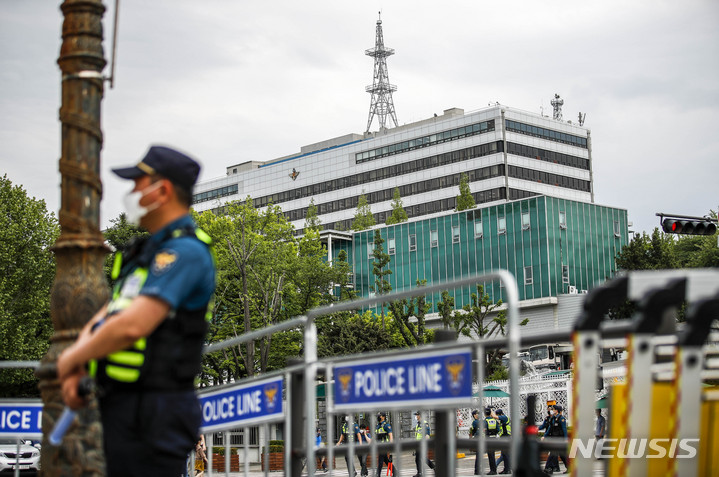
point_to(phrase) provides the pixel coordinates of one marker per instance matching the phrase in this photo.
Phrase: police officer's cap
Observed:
(180, 169)
(558, 407)
(498, 411)
(487, 411)
(382, 414)
(417, 413)
(476, 411)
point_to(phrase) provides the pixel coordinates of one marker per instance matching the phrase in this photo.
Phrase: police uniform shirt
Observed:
(182, 273)
(386, 427)
(474, 430)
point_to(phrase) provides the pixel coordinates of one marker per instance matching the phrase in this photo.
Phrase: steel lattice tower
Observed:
(381, 103)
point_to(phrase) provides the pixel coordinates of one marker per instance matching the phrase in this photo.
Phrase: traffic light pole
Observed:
(80, 288)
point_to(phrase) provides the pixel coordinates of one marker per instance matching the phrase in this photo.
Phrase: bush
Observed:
(276, 446)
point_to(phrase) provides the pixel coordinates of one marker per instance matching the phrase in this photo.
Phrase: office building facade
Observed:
(506, 153)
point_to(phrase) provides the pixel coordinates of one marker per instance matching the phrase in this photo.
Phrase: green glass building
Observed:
(552, 246)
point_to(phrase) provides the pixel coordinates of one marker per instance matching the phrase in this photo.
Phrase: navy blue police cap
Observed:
(173, 165)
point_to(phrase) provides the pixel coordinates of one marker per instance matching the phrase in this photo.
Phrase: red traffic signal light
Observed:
(689, 227)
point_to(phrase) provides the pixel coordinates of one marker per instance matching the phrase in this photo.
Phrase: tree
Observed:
(445, 307)
(350, 333)
(465, 200)
(312, 220)
(27, 233)
(413, 334)
(255, 251)
(644, 252)
(343, 272)
(697, 251)
(363, 216)
(119, 235)
(311, 274)
(398, 213)
(380, 270)
(474, 320)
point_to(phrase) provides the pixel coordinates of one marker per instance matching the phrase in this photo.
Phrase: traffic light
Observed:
(689, 227)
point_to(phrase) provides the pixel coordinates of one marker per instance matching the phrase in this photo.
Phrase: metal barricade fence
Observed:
(662, 398)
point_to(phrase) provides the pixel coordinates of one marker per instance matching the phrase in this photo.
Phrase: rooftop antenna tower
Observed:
(381, 90)
(557, 103)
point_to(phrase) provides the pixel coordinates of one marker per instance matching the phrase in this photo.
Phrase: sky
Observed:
(231, 81)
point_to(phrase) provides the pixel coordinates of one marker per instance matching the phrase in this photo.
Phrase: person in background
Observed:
(383, 433)
(318, 444)
(505, 430)
(421, 431)
(491, 430)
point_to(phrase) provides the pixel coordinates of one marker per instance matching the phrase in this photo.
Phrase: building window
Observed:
(565, 273)
(562, 220)
(433, 238)
(370, 250)
(478, 230)
(390, 246)
(616, 229)
(528, 275)
(455, 234)
(412, 243)
(525, 220)
(501, 225)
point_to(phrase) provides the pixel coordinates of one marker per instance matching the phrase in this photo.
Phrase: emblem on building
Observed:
(294, 174)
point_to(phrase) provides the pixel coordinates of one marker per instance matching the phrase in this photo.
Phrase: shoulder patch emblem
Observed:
(164, 260)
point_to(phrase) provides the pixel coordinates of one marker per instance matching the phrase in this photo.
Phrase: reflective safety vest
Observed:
(492, 426)
(168, 359)
(418, 430)
(381, 433)
(505, 429)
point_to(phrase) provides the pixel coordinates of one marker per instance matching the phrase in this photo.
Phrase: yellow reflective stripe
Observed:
(203, 236)
(118, 304)
(128, 358)
(92, 368)
(141, 344)
(118, 373)
(116, 266)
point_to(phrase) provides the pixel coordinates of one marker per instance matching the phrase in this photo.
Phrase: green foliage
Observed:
(119, 235)
(380, 269)
(255, 253)
(347, 333)
(276, 446)
(27, 231)
(645, 252)
(344, 277)
(312, 220)
(363, 216)
(473, 320)
(413, 331)
(465, 200)
(398, 213)
(500, 373)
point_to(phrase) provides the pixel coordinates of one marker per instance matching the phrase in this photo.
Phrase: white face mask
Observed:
(133, 210)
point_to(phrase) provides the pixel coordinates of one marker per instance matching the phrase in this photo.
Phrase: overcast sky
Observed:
(231, 81)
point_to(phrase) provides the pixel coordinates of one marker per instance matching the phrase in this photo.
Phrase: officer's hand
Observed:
(70, 391)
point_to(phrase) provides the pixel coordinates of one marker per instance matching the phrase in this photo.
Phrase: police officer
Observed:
(505, 429)
(558, 426)
(345, 437)
(474, 431)
(148, 338)
(421, 431)
(552, 463)
(383, 433)
(491, 430)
